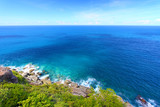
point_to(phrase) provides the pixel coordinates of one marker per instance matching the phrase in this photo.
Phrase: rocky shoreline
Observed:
(34, 76)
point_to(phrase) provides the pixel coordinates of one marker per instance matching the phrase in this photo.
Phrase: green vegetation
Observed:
(21, 79)
(23, 94)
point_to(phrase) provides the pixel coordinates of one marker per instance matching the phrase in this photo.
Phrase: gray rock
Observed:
(25, 74)
(74, 85)
(67, 82)
(7, 75)
(80, 90)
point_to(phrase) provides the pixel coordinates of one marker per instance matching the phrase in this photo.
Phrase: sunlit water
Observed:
(125, 58)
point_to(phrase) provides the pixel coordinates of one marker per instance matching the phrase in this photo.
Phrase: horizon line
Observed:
(79, 25)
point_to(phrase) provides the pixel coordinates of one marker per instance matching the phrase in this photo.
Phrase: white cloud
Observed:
(158, 20)
(144, 21)
(63, 23)
(88, 16)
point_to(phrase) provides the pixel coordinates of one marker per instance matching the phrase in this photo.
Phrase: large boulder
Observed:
(7, 75)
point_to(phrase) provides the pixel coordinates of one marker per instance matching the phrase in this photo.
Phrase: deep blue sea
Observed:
(124, 58)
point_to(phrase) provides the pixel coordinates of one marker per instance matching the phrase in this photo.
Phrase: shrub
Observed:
(21, 79)
(25, 95)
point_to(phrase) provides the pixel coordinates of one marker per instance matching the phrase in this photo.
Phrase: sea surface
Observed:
(124, 58)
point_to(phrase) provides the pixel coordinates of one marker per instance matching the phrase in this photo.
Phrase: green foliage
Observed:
(53, 95)
(21, 79)
(11, 94)
(37, 100)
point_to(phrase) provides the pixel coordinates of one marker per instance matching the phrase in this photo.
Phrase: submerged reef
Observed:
(32, 88)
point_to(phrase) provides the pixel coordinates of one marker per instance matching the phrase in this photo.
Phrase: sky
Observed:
(79, 12)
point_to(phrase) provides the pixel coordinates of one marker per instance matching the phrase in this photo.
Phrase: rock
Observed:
(74, 85)
(127, 104)
(39, 73)
(32, 73)
(81, 91)
(46, 80)
(120, 98)
(58, 82)
(32, 78)
(20, 72)
(67, 82)
(37, 83)
(143, 101)
(7, 75)
(25, 74)
(85, 89)
(31, 70)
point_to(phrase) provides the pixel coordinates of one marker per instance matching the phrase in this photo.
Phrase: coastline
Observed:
(35, 76)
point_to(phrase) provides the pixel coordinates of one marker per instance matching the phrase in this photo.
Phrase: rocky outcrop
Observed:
(33, 75)
(76, 89)
(142, 100)
(7, 75)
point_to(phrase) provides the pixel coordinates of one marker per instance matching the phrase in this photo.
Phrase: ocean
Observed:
(124, 58)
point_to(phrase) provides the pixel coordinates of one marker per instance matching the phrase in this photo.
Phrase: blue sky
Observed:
(79, 12)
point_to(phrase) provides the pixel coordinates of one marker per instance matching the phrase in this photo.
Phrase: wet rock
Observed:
(38, 73)
(7, 75)
(143, 101)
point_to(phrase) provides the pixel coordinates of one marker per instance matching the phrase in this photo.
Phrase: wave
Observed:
(150, 103)
(89, 82)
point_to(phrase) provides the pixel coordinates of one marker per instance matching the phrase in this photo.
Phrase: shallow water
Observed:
(125, 58)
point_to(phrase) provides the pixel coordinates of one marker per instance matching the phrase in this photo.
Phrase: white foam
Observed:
(89, 82)
(150, 103)
(44, 76)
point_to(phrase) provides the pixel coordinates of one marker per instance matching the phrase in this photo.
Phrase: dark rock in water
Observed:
(143, 101)
(7, 75)
(39, 73)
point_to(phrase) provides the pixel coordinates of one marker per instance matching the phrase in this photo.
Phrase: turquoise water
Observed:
(125, 58)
